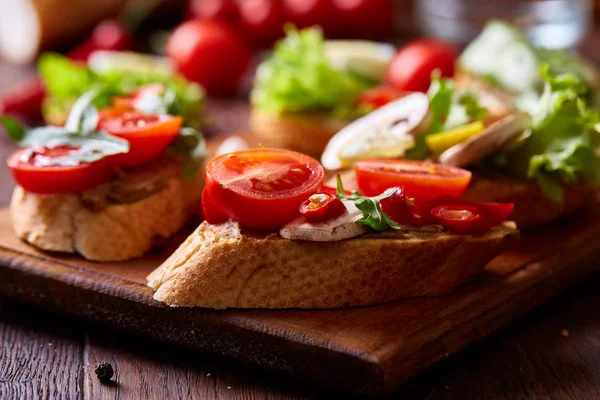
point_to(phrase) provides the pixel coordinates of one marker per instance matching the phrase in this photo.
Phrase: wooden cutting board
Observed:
(367, 350)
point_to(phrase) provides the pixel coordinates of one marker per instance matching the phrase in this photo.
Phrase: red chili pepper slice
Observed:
(461, 219)
(322, 207)
(401, 208)
(495, 213)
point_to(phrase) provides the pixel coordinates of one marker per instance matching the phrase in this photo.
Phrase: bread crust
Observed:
(219, 266)
(304, 132)
(63, 222)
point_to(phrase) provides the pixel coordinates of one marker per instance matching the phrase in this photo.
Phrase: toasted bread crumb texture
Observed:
(220, 267)
(62, 223)
(531, 206)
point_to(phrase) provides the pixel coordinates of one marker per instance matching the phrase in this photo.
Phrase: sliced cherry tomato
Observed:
(210, 53)
(421, 180)
(262, 188)
(263, 20)
(461, 219)
(379, 96)
(321, 207)
(411, 67)
(402, 209)
(212, 211)
(36, 171)
(495, 213)
(148, 135)
(131, 100)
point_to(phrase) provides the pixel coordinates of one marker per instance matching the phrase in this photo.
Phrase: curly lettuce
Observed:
(299, 77)
(560, 148)
(66, 81)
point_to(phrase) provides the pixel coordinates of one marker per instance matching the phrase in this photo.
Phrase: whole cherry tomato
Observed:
(411, 67)
(364, 19)
(263, 20)
(306, 13)
(218, 10)
(210, 53)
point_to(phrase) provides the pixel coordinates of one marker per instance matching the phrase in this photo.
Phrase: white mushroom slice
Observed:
(343, 227)
(487, 142)
(386, 132)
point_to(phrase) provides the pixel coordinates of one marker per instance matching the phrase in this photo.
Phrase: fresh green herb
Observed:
(373, 215)
(448, 110)
(80, 131)
(190, 144)
(299, 77)
(66, 80)
(560, 148)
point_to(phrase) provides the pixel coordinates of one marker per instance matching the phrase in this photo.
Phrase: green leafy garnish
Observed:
(66, 81)
(373, 215)
(449, 109)
(190, 144)
(299, 77)
(560, 147)
(80, 131)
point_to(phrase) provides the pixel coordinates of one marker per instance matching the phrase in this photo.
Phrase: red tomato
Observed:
(305, 13)
(148, 135)
(33, 170)
(421, 180)
(130, 101)
(411, 67)
(379, 96)
(321, 207)
(263, 20)
(364, 19)
(210, 53)
(262, 188)
(219, 10)
(211, 210)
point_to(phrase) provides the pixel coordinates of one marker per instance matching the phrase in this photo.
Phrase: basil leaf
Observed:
(373, 215)
(83, 116)
(14, 129)
(190, 144)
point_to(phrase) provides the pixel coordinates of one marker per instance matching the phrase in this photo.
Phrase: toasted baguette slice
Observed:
(219, 266)
(532, 208)
(307, 133)
(111, 232)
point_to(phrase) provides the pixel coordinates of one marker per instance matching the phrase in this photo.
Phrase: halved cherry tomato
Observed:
(212, 211)
(262, 188)
(36, 171)
(130, 101)
(148, 135)
(322, 207)
(402, 209)
(379, 96)
(412, 66)
(422, 180)
(461, 219)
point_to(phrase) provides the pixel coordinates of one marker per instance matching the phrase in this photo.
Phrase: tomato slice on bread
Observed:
(148, 135)
(419, 179)
(37, 170)
(261, 188)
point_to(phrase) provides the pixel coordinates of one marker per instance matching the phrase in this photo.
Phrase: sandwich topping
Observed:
(280, 190)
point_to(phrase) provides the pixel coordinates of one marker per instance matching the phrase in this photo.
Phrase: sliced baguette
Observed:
(67, 223)
(219, 266)
(532, 208)
(307, 133)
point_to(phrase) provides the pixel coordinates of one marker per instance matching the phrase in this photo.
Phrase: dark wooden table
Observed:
(554, 353)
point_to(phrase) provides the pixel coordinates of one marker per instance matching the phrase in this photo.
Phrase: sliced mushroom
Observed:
(487, 142)
(386, 132)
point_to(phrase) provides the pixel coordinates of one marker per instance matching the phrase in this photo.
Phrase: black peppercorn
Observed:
(104, 372)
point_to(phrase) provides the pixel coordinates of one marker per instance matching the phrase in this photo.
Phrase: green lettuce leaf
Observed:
(299, 77)
(560, 148)
(449, 109)
(66, 81)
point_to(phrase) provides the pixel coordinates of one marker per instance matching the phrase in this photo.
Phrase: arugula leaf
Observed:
(560, 148)
(448, 110)
(299, 77)
(373, 215)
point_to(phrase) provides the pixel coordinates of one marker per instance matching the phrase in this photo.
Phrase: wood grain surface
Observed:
(552, 353)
